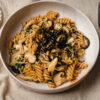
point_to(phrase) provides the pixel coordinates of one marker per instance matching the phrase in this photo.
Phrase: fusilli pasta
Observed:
(39, 72)
(48, 49)
(70, 72)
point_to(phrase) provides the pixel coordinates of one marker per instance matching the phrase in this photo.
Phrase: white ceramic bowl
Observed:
(14, 24)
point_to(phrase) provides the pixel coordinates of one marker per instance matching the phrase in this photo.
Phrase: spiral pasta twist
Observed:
(47, 75)
(70, 72)
(51, 85)
(33, 20)
(82, 65)
(63, 20)
(79, 40)
(27, 78)
(81, 52)
(29, 43)
(51, 15)
(48, 79)
(39, 72)
(28, 71)
(76, 72)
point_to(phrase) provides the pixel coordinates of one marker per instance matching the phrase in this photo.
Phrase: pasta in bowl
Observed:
(48, 50)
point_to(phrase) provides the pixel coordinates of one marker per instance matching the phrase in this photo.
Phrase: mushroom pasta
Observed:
(48, 49)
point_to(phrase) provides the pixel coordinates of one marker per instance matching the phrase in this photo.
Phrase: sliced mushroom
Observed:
(48, 24)
(30, 57)
(55, 50)
(18, 46)
(86, 42)
(59, 78)
(27, 78)
(59, 37)
(52, 65)
(25, 48)
(60, 68)
(81, 59)
(65, 29)
(13, 56)
(70, 40)
(21, 51)
(58, 26)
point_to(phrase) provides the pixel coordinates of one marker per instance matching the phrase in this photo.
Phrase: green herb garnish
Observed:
(14, 69)
(16, 41)
(48, 81)
(33, 66)
(28, 29)
(68, 52)
(55, 55)
(12, 48)
(69, 46)
(75, 52)
(18, 65)
(18, 59)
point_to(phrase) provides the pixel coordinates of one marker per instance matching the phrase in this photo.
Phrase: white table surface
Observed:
(89, 89)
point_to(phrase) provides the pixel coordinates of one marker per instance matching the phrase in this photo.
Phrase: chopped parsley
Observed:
(14, 69)
(28, 29)
(19, 65)
(69, 46)
(68, 52)
(48, 81)
(18, 59)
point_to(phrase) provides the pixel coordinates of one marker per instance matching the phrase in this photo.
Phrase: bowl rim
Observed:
(55, 90)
